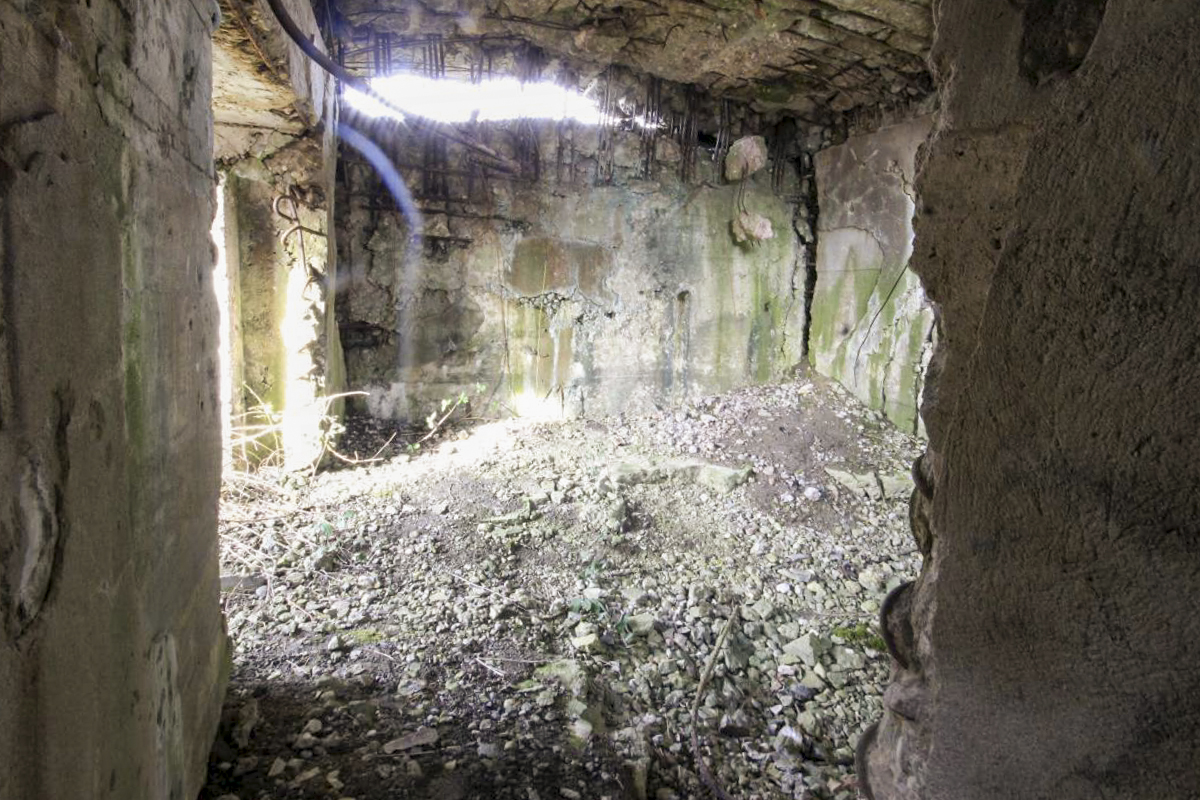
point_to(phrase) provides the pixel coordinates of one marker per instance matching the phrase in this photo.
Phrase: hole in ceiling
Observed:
(487, 101)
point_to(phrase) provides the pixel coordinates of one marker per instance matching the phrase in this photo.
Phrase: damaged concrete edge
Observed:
(870, 322)
(267, 92)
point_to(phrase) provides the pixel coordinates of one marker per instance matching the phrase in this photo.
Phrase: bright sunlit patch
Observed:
(488, 101)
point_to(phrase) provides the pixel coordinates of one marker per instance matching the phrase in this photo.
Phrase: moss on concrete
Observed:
(869, 317)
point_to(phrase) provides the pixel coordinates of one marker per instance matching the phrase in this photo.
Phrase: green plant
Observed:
(256, 439)
(363, 636)
(624, 631)
(595, 569)
(860, 634)
(437, 419)
(584, 606)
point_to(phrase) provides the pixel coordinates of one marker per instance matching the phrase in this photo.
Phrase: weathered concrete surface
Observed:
(274, 112)
(266, 92)
(1055, 628)
(871, 324)
(560, 297)
(815, 58)
(112, 650)
(286, 345)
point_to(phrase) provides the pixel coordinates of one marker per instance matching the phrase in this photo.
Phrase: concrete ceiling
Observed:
(812, 57)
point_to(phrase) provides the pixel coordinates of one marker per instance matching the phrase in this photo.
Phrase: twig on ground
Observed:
(706, 775)
(492, 592)
(435, 427)
(379, 651)
(490, 668)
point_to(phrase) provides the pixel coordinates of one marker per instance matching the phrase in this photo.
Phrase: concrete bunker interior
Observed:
(816, 421)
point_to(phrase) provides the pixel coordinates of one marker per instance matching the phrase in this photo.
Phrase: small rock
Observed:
(745, 157)
(589, 643)
(242, 583)
(640, 624)
(813, 681)
(896, 485)
(581, 729)
(808, 648)
(736, 723)
(305, 741)
(764, 608)
(248, 717)
(306, 776)
(848, 659)
(566, 672)
(722, 480)
(419, 738)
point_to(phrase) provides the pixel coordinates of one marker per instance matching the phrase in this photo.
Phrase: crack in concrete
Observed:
(8, 269)
(798, 263)
(808, 172)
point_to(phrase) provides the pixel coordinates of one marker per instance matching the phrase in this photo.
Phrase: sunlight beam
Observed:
(488, 101)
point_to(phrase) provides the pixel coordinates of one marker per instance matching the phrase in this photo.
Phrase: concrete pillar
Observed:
(1051, 641)
(112, 650)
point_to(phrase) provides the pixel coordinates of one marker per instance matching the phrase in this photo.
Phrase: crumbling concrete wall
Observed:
(112, 649)
(275, 142)
(1052, 638)
(871, 323)
(560, 296)
(288, 354)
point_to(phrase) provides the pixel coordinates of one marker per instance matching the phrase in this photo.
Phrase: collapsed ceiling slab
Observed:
(265, 93)
(811, 57)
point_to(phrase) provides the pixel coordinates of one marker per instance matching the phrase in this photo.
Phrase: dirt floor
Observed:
(670, 605)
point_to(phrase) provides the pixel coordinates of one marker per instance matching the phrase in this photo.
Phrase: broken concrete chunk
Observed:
(712, 476)
(567, 672)
(630, 473)
(746, 156)
(865, 485)
(722, 480)
(750, 227)
(244, 583)
(248, 718)
(640, 624)
(808, 648)
(589, 643)
(848, 659)
(419, 738)
(897, 485)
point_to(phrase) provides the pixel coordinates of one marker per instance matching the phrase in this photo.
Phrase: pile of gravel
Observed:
(529, 611)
